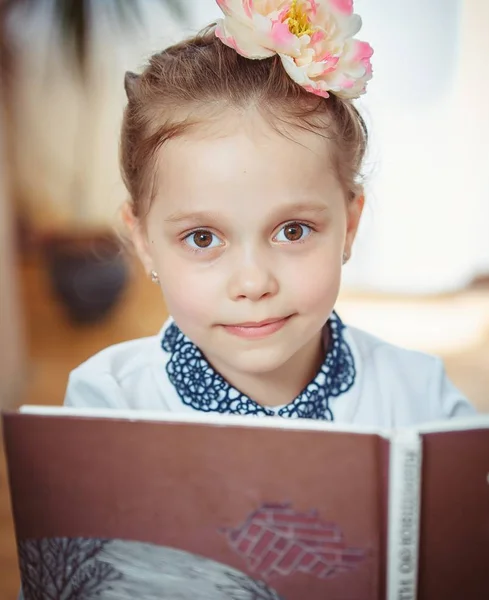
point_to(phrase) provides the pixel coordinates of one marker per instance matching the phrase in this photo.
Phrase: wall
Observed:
(12, 361)
(425, 228)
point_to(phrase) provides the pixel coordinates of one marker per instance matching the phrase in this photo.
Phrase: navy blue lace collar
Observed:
(201, 387)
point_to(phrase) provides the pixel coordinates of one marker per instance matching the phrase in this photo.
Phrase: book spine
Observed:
(404, 515)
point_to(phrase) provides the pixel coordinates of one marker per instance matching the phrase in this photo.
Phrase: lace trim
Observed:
(201, 387)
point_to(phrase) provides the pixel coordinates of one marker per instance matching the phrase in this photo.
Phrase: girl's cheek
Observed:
(319, 290)
(192, 295)
(316, 283)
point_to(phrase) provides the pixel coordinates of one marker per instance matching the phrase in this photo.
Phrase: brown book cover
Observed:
(153, 507)
(454, 548)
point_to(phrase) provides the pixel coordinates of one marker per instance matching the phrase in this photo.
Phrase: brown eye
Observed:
(293, 232)
(202, 239)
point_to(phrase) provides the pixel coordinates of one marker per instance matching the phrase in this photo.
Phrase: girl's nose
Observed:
(253, 281)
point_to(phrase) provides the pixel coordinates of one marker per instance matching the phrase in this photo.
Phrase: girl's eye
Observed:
(293, 232)
(202, 239)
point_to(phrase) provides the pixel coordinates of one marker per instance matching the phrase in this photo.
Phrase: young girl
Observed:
(242, 153)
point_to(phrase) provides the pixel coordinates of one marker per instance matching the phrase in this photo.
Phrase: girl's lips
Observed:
(257, 330)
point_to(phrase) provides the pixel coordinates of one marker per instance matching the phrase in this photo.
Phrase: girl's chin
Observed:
(256, 361)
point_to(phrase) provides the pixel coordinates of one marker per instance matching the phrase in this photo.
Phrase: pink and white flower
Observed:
(314, 39)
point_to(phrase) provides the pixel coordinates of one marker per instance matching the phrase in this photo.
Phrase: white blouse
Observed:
(363, 381)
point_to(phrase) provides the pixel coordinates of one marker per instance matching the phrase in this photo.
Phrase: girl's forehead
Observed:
(249, 172)
(246, 150)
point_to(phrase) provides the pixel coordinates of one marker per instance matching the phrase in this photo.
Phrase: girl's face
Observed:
(247, 233)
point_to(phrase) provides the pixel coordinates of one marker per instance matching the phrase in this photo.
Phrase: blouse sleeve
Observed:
(97, 391)
(449, 401)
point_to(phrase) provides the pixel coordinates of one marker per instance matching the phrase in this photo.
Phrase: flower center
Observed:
(297, 20)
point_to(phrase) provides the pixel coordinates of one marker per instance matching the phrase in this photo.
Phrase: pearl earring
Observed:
(154, 277)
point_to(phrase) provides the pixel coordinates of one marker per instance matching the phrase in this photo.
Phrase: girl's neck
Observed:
(283, 385)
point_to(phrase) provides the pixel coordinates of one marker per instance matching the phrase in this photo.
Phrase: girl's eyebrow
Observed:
(206, 216)
(302, 207)
(198, 216)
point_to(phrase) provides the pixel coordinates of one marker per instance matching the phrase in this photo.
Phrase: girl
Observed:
(242, 153)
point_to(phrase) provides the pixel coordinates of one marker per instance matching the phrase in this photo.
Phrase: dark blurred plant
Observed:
(85, 284)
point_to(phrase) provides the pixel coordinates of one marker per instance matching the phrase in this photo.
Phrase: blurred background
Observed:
(419, 275)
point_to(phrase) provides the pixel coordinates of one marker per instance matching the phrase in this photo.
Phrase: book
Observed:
(112, 504)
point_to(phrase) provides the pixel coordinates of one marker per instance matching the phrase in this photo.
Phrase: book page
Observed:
(213, 418)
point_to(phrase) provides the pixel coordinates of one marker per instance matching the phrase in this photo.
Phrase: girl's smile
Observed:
(257, 330)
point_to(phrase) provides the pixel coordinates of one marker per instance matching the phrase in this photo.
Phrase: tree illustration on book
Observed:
(64, 568)
(91, 569)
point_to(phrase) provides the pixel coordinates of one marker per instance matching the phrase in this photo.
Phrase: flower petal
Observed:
(349, 26)
(344, 7)
(300, 76)
(225, 6)
(283, 40)
(240, 10)
(231, 33)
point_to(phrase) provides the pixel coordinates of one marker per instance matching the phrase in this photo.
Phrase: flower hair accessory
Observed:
(314, 39)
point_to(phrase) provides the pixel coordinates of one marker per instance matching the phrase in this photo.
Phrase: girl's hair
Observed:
(193, 81)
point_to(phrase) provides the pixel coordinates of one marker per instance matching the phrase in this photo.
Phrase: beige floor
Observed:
(456, 327)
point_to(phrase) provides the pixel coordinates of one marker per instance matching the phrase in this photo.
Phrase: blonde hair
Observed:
(191, 81)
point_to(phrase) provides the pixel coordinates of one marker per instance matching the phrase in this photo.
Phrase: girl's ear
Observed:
(138, 237)
(355, 210)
